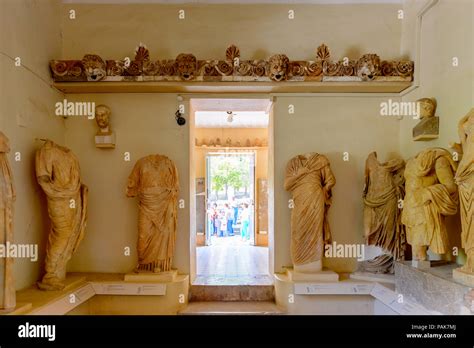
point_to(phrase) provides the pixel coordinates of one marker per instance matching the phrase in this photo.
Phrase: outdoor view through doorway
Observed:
(231, 158)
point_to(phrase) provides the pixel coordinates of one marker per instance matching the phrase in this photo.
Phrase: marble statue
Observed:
(428, 127)
(465, 181)
(7, 199)
(384, 188)
(58, 173)
(154, 179)
(309, 179)
(431, 195)
(104, 138)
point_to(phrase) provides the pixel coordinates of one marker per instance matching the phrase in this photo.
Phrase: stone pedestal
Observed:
(149, 277)
(434, 287)
(105, 141)
(421, 264)
(321, 276)
(374, 277)
(426, 129)
(463, 277)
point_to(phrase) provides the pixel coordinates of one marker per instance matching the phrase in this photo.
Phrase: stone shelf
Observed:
(233, 87)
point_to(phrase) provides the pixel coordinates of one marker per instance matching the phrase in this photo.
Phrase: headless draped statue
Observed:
(309, 179)
(58, 173)
(154, 179)
(431, 195)
(465, 180)
(384, 187)
(7, 199)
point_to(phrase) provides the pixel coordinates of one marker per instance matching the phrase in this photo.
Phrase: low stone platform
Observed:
(231, 293)
(231, 308)
(434, 287)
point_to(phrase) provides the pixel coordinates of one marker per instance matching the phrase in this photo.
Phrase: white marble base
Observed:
(149, 277)
(420, 264)
(463, 277)
(374, 277)
(311, 267)
(105, 141)
(321, 276)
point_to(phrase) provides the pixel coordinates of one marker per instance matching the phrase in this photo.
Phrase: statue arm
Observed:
(445, 174)
(134, 181)
(293, 174)
(329, 180)
(462, 134)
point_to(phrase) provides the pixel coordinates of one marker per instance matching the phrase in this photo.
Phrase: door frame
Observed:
(192, 173)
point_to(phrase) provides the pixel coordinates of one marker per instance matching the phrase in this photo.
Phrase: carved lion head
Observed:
(186, 65)
(368, 66)
(278, 67)
(94, 67)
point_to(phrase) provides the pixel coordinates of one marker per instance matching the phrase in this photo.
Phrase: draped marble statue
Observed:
(7, 199)
(465, 181)
(58, 173)
(384, 188)
(309, 179)
(431, 195)
(154, 179)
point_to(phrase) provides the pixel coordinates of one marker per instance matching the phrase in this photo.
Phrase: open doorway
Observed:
(231, 159)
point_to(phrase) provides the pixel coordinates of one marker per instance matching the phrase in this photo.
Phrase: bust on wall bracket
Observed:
(104, 137)
(428, 128)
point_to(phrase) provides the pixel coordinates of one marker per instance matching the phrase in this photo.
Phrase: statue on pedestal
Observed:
(7, 200)
(154, 179)
(431, 195)
(465, 180)
(58, 173)
(309, 179)
(384, 188)
(104, 138)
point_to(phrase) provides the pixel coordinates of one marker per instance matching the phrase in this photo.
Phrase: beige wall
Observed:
(446, 32)
(29, 30)
(330, 126)
(113, 31)
(144, 124)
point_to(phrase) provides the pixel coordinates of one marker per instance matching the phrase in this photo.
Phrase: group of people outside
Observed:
(223, 219)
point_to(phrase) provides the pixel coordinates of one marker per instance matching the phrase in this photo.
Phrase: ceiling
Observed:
(248, 113)
(240, 119)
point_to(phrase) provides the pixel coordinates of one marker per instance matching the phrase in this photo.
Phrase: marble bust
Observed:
(428, 127)
(104, 138)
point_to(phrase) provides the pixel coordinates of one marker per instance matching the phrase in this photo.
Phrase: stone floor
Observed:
(231, 261)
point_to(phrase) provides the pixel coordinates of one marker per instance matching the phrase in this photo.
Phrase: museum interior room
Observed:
(237, 157)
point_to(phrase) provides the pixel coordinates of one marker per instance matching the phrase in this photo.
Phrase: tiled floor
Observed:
(231, 261)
